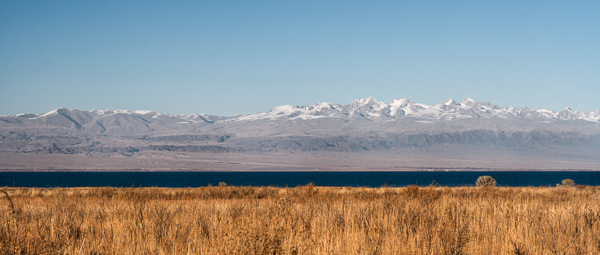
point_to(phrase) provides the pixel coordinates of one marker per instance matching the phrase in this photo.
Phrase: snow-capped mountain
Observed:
(367, 108)
(373, 109)
(469, 129)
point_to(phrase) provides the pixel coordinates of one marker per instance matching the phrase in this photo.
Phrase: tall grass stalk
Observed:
(11, 205)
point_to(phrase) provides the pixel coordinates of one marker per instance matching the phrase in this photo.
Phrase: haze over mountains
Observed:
(384, 135)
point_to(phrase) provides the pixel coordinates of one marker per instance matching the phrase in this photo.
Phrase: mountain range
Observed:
(387, 135)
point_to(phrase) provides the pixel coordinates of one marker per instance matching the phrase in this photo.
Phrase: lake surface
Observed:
(283, 179)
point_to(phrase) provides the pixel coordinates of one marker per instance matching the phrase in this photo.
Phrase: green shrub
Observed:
(485, 181)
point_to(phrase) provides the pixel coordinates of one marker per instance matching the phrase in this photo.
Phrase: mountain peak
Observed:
(145, 112)
(53, 112)
(96, 111)
(401, 102)
(450, 101)
(468, 102)
(368, 100)
(567, 109)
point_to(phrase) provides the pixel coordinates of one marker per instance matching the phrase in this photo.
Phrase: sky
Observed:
(242, 57)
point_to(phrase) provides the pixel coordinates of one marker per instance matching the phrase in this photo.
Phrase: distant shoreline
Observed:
(134, 170)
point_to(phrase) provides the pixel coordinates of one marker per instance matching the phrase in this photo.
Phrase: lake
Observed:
(289, 179)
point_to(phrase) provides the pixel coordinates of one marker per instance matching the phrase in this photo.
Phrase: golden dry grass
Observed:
(303, 220)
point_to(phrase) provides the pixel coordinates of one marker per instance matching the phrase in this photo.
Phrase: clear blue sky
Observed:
(228, 57)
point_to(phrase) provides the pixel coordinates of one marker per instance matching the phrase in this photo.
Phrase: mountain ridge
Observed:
(368, 107)
(467, 131)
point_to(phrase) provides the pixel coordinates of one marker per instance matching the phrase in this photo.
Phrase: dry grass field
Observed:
(302, 220)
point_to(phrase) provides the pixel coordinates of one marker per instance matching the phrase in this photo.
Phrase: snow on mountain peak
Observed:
(450, 101)
(321, 105)
(371, 105)
(61, 110)
(568, 109)
(283, 109)
(55, 111)
(102, 112)
(468, 102)
(143, 112)
(401, 102)
(367, 101)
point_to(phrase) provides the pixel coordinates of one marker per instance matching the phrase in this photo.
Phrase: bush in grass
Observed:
(485, 181)
(568, 183)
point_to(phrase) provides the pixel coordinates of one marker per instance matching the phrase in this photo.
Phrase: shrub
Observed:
(222, 184)
(568, 183)
(485, 181)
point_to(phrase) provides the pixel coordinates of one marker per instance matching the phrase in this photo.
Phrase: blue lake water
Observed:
(283, 179)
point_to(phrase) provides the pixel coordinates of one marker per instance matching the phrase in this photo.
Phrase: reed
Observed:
(302, 220)
(11, 205)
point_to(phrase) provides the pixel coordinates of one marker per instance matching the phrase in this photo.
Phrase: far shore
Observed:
(291, 169)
